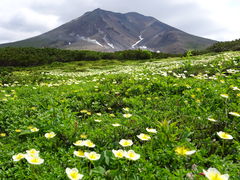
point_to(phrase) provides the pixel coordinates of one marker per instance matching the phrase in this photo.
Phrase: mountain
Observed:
(102, 30)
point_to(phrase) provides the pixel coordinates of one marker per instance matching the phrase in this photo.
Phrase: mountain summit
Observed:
(102, 30)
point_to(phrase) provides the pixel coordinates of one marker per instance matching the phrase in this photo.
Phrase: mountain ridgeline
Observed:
(106, 31)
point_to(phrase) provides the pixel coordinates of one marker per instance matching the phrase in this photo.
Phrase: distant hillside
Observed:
(225, 46)
(29, 56)
(102, 30)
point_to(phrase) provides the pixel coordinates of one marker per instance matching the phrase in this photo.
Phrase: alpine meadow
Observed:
(158, 119)
(112, 96)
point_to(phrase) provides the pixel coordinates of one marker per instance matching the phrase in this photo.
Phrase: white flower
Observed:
(92, 156)
(34, 129)
(97, 120)
(151, 130)
(212, 119)
(234, 114)
(116, 125)
(235, 88)
(144, 137)
(79, 143)
(34, 159)
(224, 95)
(32, 152)
(214, 174)
(127, 115)
(125, 142)
(131, 155)
(18, 157)
(126, 109)
(79, 153)
(224, 135)
(50, 135)
(89, 143)
(118, 153)
(73, 174)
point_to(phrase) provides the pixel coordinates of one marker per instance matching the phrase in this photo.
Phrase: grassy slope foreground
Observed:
(186, 101)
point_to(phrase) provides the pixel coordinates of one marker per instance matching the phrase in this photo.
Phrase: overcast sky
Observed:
(215, 19)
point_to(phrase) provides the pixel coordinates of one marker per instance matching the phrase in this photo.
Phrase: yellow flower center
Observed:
(89, 143)
(214, 176)
(225, 135)
(35, 160)
(119, 154)
(74, 175)
(145, 136)
(92, 156)
(126, 143)
(131, 155)
(19, 156)
(80, 153)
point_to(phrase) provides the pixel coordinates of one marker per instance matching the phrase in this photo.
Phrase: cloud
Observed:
(216, 19)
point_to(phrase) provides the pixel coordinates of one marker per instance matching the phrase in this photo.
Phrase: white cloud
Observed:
(216, 19)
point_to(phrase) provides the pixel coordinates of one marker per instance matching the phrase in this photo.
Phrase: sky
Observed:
(214, 19)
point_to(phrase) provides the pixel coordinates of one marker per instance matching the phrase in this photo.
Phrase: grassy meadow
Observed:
(164, 119)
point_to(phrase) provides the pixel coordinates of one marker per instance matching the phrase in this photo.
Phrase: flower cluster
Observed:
(32, 156)
(127, 154)
(87, 143)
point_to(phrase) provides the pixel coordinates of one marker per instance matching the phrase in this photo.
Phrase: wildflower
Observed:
(131, 155)
(214, 174)
(127, 115)
(116, 125)
(83, 136)
(73, 174)
(79, 143)
(235, 88)
(126, 142)
(144, 137)
(99, 114)
(118, 153)
(2, 134)
(97, 120)
(83, 111)
(18, 130)
(34, 129)
(212, 119)
(50, 135)
(234, 114)
(79, 153)
(224, 135)
(184, 151)
(111, 115)
(89, 113)
(224, 95)
(89, 143)
(126, 109)
(32, 152)
(34, 160)
(18, 157)
(92, 156)
(151, 130)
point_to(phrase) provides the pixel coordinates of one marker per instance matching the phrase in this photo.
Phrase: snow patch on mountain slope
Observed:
(140, 39)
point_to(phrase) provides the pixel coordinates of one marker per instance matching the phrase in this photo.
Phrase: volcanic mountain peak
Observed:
(103, 30)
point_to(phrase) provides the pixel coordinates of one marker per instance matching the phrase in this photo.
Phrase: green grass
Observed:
(174, 96)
